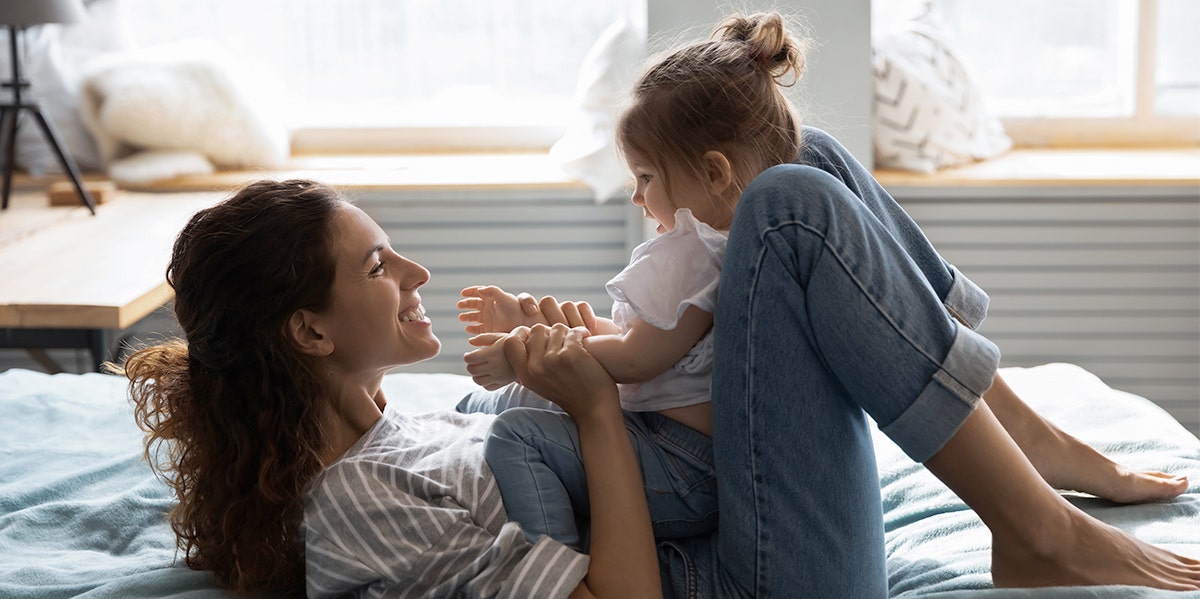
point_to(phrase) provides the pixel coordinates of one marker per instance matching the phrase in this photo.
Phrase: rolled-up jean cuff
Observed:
(966, 301)
(941, 408)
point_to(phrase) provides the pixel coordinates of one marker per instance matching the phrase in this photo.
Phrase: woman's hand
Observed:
(552, 362)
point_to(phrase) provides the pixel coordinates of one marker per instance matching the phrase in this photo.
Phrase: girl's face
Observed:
(375, 320)
(650, 194)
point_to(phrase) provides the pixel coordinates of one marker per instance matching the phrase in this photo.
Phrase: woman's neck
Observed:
(357, 407)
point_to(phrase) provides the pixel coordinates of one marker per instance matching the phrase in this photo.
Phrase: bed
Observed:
(82, 515)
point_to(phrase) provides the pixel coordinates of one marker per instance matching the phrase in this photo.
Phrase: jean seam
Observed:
(833, 250)
(690, 574)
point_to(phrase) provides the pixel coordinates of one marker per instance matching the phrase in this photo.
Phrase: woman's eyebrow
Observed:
(374, 250)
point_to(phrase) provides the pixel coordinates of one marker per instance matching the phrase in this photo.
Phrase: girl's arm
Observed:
(553, 363)
(637, 356)
(646, 351)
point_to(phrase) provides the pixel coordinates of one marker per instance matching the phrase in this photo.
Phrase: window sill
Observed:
(1021, 168)
(1090, 167)
(396, 172)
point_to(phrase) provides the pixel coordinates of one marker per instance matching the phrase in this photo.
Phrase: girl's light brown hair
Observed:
(233, 414)
(722, 94)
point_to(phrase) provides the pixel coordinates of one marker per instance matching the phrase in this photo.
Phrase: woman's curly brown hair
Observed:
(233, 415)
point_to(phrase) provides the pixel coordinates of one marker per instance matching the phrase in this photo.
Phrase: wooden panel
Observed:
(1112, 285)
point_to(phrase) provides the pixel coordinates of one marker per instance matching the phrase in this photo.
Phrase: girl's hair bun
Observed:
(767, 41)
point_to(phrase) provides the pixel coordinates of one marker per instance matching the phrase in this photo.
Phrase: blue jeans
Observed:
(533, 450)
(832, 306)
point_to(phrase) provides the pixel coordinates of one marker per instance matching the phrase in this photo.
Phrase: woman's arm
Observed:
(552, 362)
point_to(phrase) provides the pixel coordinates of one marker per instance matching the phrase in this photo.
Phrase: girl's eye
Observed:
(644, 178)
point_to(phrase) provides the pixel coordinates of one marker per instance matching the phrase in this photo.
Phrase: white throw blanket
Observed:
(177, 109)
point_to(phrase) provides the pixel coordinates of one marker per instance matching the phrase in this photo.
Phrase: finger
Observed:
(587, 315)
(472, 291)
(550, 308)
(469, 316)
(528, 304)
(517, 353)
(485, 339)
(558, 337)
(473, 358)
(470, 303)
(571, 314)
(475, 329)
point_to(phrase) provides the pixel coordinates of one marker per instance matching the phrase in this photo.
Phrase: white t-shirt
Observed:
(677, 269)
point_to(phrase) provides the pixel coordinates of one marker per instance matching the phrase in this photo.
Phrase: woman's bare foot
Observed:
(1089, 552)
(494, 310)
(1067, 463)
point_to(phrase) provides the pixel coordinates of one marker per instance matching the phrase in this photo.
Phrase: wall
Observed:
(1106, 278)
(836, 92)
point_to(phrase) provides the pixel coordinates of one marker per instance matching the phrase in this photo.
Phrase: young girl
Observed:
(833, 306)
(658, 346)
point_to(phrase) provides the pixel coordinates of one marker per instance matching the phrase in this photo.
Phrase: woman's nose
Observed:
(413, 275)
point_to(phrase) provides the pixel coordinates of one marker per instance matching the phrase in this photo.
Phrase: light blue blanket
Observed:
(82, 515)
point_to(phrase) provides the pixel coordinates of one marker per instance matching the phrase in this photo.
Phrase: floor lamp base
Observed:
(9, 119)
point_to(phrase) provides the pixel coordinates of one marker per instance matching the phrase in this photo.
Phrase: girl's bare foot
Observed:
(494, 310)
(1089, 552)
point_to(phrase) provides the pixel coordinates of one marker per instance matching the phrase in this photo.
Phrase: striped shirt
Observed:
(412, 510)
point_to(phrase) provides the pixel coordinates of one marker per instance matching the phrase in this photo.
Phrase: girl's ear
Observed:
(304, 331)
(718, 170)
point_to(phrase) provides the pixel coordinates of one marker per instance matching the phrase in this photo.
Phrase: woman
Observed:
(294, 306)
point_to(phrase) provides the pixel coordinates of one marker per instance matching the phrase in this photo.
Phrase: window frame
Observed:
(1143, 129)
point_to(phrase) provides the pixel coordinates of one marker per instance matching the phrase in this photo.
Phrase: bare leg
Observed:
(1038, 538)
(1069, 464)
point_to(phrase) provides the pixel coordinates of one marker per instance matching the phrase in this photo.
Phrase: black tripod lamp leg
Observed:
(67, 163)
(8, 136)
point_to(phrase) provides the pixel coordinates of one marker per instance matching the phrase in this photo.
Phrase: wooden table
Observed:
(68, 278)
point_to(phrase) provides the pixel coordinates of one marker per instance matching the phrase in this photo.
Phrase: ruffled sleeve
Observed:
(677, 269)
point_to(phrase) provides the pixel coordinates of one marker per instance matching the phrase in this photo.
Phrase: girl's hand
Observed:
(488, 366)
(552, 362)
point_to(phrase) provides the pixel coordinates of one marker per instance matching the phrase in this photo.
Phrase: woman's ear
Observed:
(304, 331)
(718, 170)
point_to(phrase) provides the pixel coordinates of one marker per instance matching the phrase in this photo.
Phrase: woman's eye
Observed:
(378, 270)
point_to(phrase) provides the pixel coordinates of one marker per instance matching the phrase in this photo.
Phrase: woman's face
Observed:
(375, 320)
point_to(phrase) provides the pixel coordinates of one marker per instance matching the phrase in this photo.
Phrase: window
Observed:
(1069, 72)
(411, 66)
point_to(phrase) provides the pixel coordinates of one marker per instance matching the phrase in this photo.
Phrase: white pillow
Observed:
(185, 96)
(928, 113)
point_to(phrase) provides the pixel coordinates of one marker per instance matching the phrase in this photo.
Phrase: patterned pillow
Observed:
(928, 113)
